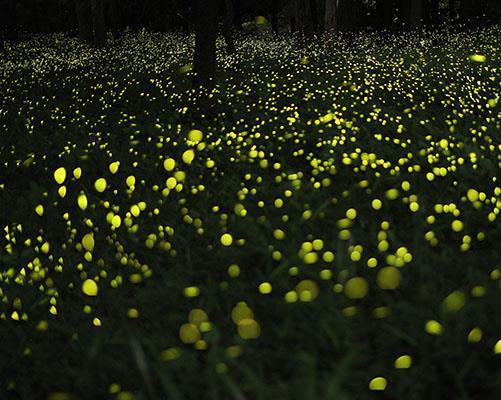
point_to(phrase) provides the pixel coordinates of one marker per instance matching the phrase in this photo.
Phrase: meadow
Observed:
(330, 231)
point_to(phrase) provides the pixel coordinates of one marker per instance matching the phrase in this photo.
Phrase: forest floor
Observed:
(331, 233)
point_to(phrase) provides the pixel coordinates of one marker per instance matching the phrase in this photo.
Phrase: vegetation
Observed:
(330, 231)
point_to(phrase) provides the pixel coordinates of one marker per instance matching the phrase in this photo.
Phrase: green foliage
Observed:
(331, 232)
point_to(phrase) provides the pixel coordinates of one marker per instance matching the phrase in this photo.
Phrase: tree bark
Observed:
(206, 16)
(204, 63)
(465, 10)
(308, 17)
(275, 10)
(98, 23)
(34, 15)
(228, 27)
(346, 15)
(415, 14)
(237, 16)
(303, 18)
(3, 16)
(404, 9)
(384, 13)
(426, 13)
(297, 16)
(434, 12)
(180, 11)
(84, 19)
(114, 17)
(10, 23)
(452, 6)
(274, 22)
(330, 17)
(41, 14)
(315, 25)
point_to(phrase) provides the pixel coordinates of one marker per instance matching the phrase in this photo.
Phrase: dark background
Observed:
(44, 16)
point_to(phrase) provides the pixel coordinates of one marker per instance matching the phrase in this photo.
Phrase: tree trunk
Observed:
(34, 19)
(64, 18)
(404, 14)
(415, 14)
(303, 18)
(346, 15)
(2, 36)
(307, 17)
(84, 19)
(384, 13)
(297, 26)
(3, 16)
(426, 13)
(228, 27)
(114, 17)
(314, 16)
(237, 16)
(434, 12)
(274, 11)
(479, 8)
(330, 17)
(182, 15)
(452, 6)
(10, 23)
(98, 23)
(206, 16)
(465, 10)
(204, 63)
(40, 16)
(274, 22)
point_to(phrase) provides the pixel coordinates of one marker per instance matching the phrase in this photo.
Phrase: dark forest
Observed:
(250, 200)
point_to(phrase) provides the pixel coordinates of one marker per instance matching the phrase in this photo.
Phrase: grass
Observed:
(358, 183)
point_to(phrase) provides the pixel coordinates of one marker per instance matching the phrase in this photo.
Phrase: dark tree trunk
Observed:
(204, 63)
(320, 15)
(314, 16)
(426, 13)
(206, 16)
(34, 19)
(2, 35)
(452, 9)
(293, 24)
(480, 8)
(3, 16)
(274, 22)
(293, 17)
(434, 12)
(98, 23)
(415, 14)
(466, 10)
(275, 10)
(308, 17)
(40, 16)
(330, 23)
(180, 10)
(303, 17)
(404, 14)
(346, 15)
(63, 17)
(228, 27)
(384, 13)
(237, 16)
(298, 16)
(114, 17)
(10, 23)
(84, 19)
